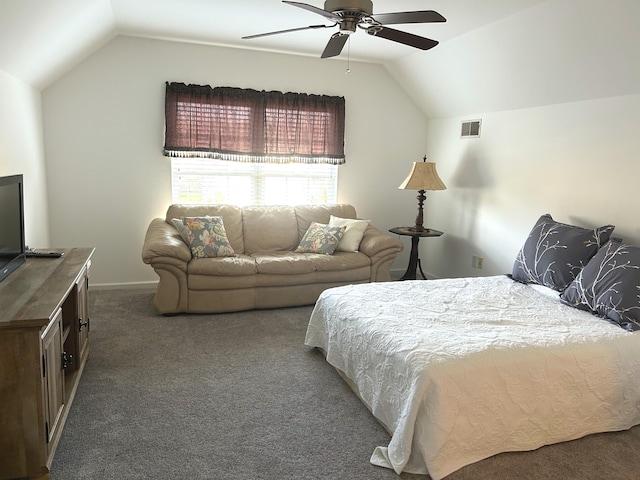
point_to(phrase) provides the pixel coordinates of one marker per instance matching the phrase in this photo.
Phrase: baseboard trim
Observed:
(117, 286)
(395, 275)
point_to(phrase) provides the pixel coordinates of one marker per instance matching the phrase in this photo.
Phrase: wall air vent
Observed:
(470, 129)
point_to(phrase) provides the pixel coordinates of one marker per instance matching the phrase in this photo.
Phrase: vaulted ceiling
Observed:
(40, 39)
(493, 54)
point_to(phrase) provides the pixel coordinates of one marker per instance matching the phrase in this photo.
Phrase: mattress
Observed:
(459, 370)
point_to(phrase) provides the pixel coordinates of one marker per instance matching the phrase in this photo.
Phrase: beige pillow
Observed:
(354, 230)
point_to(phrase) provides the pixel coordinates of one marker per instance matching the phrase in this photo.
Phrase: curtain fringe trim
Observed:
(248, 158)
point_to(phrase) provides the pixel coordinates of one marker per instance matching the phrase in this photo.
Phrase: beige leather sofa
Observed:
(265, 272)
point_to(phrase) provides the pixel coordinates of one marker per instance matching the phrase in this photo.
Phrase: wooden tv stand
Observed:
(44, 345)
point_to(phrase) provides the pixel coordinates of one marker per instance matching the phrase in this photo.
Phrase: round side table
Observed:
(414, 260)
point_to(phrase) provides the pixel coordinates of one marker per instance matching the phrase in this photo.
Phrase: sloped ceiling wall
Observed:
(40, 41)
(558, 51)
(538, 53)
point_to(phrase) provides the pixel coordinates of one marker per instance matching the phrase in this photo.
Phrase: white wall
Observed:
(22, 152)
(557, 87)
(576, 161)
(104, 120)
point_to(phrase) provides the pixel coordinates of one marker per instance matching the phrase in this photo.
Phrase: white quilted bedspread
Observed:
(462, 369)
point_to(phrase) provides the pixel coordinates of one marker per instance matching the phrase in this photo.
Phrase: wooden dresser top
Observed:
(32, 294)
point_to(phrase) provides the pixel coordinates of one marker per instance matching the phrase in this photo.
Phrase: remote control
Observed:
(33, 253)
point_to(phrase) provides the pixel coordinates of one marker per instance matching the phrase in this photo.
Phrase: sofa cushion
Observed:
(223, 266)
(205, 236)
(224, 283)
(269, 229)
(320, 239)
(231, 215)
(274, 263)
(340, 261)
(329, 279)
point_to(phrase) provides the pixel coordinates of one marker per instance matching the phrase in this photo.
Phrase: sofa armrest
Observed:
(162, 243)
(374, 243)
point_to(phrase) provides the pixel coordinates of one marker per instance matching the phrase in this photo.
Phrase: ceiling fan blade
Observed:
(403, 37)
(286, 31)
(335, 45)
(330, 15)
(424, 16)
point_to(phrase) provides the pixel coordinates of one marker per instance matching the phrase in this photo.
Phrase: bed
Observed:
(458, 370)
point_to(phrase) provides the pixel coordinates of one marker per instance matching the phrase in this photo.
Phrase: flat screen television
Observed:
(12, 242)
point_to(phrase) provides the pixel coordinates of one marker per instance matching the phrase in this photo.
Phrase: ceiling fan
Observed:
(352, 14)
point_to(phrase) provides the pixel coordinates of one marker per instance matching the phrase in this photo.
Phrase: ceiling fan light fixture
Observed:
(348, 26)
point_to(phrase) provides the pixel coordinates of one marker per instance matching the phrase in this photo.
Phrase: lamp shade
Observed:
(423, 176)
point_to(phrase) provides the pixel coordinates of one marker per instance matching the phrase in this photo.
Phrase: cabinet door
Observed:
(82, 289)
(52, 375)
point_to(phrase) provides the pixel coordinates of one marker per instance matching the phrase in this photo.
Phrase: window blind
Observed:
(204, 180)
(247, 125)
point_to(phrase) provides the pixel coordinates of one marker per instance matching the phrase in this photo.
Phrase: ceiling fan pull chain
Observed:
(349, 55)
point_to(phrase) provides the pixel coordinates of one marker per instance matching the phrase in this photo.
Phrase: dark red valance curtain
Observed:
(253, 126)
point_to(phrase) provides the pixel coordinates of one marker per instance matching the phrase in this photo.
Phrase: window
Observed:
(202, 180)
(241, 146)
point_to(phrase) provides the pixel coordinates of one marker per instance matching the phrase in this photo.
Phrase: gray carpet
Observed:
(239, 396)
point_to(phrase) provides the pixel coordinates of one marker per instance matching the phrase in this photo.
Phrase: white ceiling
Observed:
(41, 39)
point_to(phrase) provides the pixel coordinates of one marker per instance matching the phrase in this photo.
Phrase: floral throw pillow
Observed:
(320, 239)
(205, 236)
(609, 285)
(555, 253)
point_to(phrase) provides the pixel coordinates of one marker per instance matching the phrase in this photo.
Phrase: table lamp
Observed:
(423, 176)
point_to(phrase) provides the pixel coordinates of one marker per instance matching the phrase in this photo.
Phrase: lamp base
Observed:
(418, 226)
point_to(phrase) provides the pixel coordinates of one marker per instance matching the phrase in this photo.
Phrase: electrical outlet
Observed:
(476, 261)
(480, 262)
